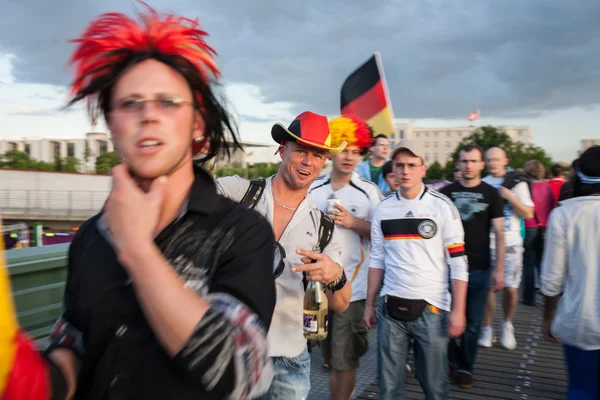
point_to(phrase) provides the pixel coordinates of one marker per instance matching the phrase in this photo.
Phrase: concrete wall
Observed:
(41, 195)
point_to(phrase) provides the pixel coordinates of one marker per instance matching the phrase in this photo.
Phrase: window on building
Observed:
(417, 134)
(426, 144)
(56, 150)
(28, 148)
(102, 147)
(448, 134)
(427, 134)
(401, 134)
(12, 146)
(435, 156)
(448, 144)
(436, 134)
(435, 144)
(70, 149)
(426, 157)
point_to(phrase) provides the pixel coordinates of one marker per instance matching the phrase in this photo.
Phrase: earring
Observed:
(198, 139)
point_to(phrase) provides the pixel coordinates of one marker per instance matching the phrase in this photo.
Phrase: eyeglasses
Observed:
(278, 260)
(409, 166)
(168, 105)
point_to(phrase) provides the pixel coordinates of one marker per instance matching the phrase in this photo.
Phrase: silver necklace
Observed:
(281, 204)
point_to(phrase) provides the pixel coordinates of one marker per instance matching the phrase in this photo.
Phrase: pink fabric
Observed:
(543, 199)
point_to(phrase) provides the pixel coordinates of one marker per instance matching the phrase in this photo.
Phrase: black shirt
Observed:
(567, 190)
(224, 252)
(477, 206)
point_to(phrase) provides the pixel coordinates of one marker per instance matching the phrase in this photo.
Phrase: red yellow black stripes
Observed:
(406, 236)
(364, 96)
(456, 250)
(405, 228)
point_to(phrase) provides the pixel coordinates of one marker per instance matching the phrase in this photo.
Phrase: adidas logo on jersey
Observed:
(409, 215)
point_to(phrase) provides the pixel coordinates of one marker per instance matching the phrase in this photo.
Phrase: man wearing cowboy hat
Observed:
(304, 147)
(356, 199)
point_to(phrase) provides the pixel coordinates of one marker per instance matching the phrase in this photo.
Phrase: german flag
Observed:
(365, 96)
(23, 371)
(456, 250)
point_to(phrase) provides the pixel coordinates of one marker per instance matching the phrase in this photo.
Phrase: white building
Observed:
(439, 143)
(587, 143)
(48, 149)
(98, 143)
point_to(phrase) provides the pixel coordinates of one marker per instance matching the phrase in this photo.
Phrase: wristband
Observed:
(339, 283)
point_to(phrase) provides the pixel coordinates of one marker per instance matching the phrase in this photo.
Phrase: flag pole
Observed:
(379, 63)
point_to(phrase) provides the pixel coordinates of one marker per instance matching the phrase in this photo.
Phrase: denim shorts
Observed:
(292, 378)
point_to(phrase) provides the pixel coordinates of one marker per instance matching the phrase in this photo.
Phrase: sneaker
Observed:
(464, 380)
(508, 340)
(485, 337)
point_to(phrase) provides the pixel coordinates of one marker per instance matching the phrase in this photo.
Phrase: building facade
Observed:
(438, 144)
(587, 143)
(48, 150)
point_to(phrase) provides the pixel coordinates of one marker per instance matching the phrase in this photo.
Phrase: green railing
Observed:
(37, 276)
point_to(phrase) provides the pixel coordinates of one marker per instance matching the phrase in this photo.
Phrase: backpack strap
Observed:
(325, 230)
(254, 193)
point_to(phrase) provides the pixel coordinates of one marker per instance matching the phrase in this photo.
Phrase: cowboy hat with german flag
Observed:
(308, 129)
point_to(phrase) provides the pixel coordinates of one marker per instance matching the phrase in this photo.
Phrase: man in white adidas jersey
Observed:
(416, 234)
(350, 200)
(518, 205)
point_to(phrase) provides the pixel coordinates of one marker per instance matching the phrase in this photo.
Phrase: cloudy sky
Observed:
(532, 62)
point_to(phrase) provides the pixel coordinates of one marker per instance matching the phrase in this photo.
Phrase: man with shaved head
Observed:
(518, 205)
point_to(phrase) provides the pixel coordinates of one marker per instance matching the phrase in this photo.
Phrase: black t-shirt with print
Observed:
(477, 206)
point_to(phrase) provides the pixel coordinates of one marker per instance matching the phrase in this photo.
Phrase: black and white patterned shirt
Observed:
(224, 253)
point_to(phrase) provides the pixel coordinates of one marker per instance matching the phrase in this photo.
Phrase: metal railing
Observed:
(37, 277)
(51, 202)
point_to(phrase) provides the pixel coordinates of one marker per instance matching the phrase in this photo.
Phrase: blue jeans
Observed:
(430, 333)
(292, 378)
(584, 373)
(463, 355)
(532, 259)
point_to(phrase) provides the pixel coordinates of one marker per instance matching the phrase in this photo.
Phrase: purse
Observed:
(407, 310)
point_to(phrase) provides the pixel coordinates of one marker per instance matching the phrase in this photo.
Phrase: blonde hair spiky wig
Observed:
(350, 130)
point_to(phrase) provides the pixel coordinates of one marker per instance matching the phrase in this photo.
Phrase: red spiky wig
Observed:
(113, 42)
(352, 130)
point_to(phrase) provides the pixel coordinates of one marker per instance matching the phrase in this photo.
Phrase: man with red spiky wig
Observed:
(356, 199)
(170, 290)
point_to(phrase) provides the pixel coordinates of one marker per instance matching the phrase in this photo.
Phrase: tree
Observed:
(106, 161)
(16, 159)
(71, 164)
(448, 170)
(58, 164)
(43, 166)
(434, 171)
(517, 153)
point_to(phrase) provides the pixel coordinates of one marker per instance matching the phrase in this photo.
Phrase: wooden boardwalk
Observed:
(534, 370)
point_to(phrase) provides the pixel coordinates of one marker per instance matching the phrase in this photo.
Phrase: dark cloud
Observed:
(442, 59)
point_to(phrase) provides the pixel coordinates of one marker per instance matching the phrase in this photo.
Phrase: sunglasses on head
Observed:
(278, 260)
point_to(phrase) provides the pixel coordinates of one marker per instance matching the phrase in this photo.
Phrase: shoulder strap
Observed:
(254, 193)
(325, 230)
